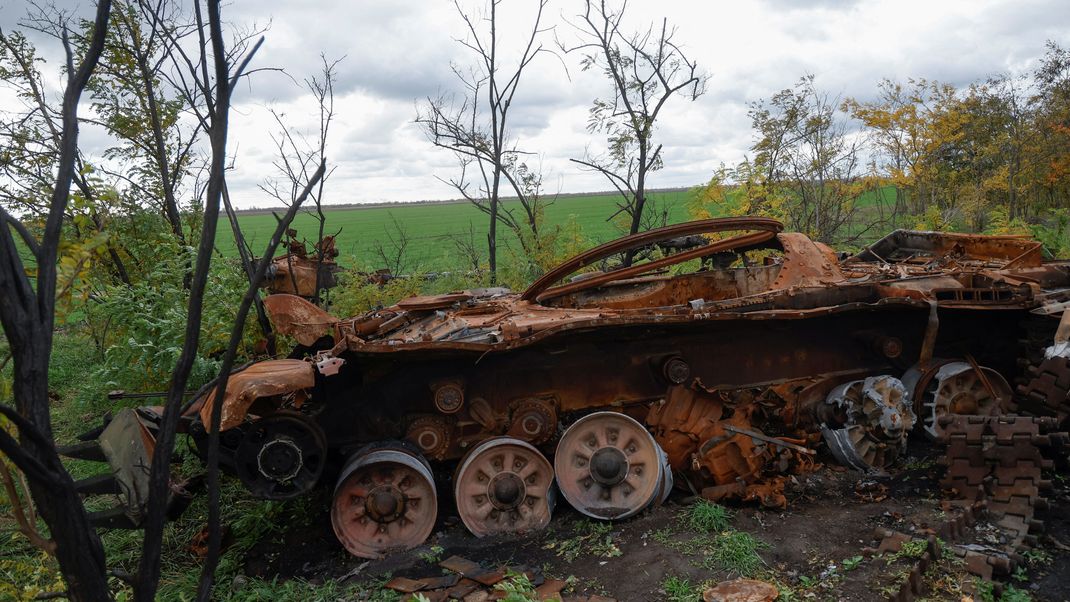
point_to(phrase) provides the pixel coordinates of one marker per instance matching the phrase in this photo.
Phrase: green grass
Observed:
(735, 552)
(680, 589)
(589, 538)
(707, 517)
(712, 543)
(430, 226)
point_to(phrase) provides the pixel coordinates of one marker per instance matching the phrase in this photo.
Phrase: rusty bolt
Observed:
(676, 371)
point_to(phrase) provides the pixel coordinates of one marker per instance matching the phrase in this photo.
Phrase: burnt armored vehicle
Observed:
(718, 355)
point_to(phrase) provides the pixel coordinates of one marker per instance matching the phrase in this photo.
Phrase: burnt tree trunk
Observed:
(27, 313)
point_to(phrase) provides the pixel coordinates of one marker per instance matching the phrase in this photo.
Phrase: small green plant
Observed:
(786, 594)
(735, 552)
(662, 536)
(850, 564)
(517, 588)
(1036, 557)
(911, 549)
(432, 555)
(986, 592)
(708, 517)
(807, 582)
(1013, 594)
(595, 538)
(680, 589)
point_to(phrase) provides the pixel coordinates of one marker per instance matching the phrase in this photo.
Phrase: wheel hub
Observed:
(609, 466)
(280, 456)
(504, 485)
(280, 459)
(506, 490)
(385, 503)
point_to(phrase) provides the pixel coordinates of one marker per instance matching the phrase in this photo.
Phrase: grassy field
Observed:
(429, 226)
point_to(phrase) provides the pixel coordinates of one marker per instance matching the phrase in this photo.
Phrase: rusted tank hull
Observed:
(737, 372)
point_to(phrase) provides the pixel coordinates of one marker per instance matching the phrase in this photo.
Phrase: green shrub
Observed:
(141, 328)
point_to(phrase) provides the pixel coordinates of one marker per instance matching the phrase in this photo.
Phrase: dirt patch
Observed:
(820, 548)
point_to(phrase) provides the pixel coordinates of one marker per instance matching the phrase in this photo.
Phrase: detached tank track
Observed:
(995, 466)
(962, 516)
(1000, 460)
(1036, 336)
(1047, 392)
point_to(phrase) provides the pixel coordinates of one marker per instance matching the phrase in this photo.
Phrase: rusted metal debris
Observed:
(741, 590)
(470, 581)
(287, 382)
(299, 272)
(721, 364)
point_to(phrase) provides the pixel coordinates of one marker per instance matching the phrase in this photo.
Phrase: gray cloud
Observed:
(398, 52)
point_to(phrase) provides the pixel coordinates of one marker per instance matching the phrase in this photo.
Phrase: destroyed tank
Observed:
(717, 356)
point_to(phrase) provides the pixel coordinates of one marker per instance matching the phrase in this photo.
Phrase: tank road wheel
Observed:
(609, 466)
(385, 500)
(281, 456)
(954, 387)
(504, 485)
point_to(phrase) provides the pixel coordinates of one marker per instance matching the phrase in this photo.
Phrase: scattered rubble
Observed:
(472, 582)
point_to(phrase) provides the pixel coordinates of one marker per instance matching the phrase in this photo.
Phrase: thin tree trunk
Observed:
(28, 318)
(247, 266)
(78, 548)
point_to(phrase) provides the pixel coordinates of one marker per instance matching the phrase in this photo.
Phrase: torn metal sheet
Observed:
(268, 379)
(298, 318)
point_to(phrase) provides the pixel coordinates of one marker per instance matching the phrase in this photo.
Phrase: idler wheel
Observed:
(955, 387)
(385, 500)
(281, 456)
(609, 466)
(867, 422)
(504, 485)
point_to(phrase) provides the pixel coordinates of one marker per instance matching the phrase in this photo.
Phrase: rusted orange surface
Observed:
(299, 272)
(261, 380)
(293, 316)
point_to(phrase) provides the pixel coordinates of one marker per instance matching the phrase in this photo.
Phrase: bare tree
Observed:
(27, 313)
(466, 247)
(392, 252)
(478, 133)
(206, 77)
(645, 69)
(297, 155)
(204, 589)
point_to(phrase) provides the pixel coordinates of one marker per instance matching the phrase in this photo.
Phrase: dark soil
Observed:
(831, 517)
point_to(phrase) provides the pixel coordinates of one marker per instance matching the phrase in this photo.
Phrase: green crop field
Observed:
(430, 226)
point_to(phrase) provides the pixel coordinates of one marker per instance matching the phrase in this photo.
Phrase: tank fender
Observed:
(263, 379)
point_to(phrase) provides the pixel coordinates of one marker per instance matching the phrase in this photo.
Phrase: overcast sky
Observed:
(398, 52)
